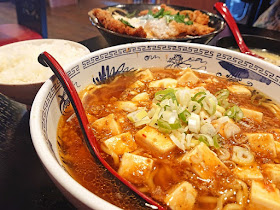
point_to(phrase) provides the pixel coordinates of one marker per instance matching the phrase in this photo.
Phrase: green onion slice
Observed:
(222, 94)
(159, 14)
(166, 127)
(216, 142)
(179, 18)
(168, 93)
(184, 115)
(203, 139)
(235, 113)
(130, 15)
(222, 97)
(194, 107)
(198, 97)
(209, 104)
(126, 23)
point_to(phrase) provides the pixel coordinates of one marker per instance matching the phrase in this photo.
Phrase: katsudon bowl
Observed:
(51, 103)
(115, 38)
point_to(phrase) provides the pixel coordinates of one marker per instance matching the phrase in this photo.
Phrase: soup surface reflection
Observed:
(187, 139)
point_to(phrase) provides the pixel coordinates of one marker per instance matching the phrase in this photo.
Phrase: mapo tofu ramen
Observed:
(189, 140)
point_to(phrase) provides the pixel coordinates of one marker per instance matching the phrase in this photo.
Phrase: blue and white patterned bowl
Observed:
(51, 100)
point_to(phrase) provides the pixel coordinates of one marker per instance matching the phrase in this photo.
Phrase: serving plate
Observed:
(114, 38)
(51, 101)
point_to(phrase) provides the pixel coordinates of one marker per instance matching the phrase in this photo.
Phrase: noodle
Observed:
(224, 154)
(109, 152)
(207, 199)
(232, 206)
(273, 108)
(223, 198)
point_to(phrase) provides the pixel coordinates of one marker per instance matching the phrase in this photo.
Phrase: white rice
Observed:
(19, 64)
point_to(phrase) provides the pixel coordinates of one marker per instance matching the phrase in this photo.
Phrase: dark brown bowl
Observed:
(114, 38)
(252, 41)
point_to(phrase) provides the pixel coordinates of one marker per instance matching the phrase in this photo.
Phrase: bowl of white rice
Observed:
(21, 75)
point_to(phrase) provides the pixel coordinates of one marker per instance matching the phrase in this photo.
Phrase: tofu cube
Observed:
(252, 114)
(155, 141)
(240, 90)
(145, 75)
(121, 143)
(262, 144)
(277, 146)
(248, 173)
(127, 106)
(188, 77)
(141, 97)
(164, 83)
(135, 168)
(107, 124)
(204, 162)
(137, 84)
(264, 197)
(181, 197)
(273, 172)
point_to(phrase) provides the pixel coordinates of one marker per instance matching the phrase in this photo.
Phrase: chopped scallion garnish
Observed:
(126, 23)
(184, 115)
(179, 18)
(235, 113)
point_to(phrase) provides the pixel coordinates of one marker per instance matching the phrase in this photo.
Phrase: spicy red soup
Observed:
(187, 139)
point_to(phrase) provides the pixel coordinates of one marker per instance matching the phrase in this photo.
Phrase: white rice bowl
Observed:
(19, 63)
(21, 75)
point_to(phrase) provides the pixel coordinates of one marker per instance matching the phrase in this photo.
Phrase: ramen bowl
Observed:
(51, 102)
(21, 74)
(114, 38)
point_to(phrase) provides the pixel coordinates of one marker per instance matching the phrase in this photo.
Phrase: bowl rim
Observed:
(49, 161)
(38, 41)
(95, 23)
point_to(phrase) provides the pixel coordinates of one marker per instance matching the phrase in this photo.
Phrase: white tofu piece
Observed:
(254, 115)
(188, 77)
(141, 97)
(181, 197)
(135, 168)
(277, 146)
(145, 75)
(247, 173)
(155, 141)
(204, 162)
(137, 84)
(128, 106)
(262, 144)
(240, 90)
(164, 83)
(121, 143)
(264, 197)
(107, 124)
(273, 172)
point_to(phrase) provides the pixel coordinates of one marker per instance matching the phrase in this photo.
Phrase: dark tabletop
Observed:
(24, 184)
